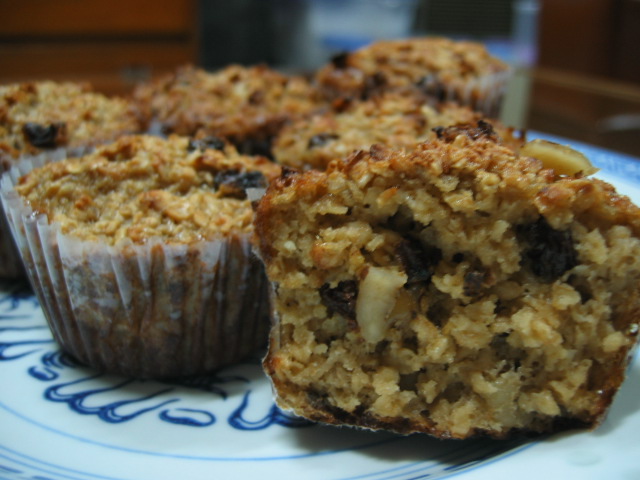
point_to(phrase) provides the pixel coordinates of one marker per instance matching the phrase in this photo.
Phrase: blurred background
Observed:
(576, 62)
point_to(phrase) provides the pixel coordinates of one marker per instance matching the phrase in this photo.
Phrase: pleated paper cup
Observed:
(483, 94)
(11, 266)
(156, 310)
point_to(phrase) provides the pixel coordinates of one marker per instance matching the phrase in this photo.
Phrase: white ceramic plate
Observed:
(61, 421)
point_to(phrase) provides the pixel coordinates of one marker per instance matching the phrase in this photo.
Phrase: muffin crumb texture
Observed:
(457, 289)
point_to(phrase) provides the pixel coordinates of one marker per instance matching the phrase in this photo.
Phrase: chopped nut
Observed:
(377, 295)
(561, 158)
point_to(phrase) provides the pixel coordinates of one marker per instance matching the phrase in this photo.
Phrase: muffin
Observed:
(394, 119)
(459, 71)
(458, 289)
(54, 119)
(140, 256)
(245, 105)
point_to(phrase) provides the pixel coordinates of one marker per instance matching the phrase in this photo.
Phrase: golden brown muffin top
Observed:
(44, 115)
(140, 187)
(395, 119)
(459, 154)
(236, 102)
(408, 62)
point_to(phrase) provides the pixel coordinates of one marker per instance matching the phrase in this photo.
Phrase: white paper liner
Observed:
(483, 94)
(153, 310)
(10, 261)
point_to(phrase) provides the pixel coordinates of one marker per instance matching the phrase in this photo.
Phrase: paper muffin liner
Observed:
(156, 310)
(483, 94)
(10, 262)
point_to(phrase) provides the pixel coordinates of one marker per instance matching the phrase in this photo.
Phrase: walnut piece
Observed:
(561, 158)
(377, 295)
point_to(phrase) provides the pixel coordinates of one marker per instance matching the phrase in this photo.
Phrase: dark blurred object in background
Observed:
(110, 43)
(586, 85)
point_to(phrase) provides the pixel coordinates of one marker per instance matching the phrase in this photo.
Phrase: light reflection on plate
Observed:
(60, 420)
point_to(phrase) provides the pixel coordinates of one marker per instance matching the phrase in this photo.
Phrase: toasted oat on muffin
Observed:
(143, 263)
(45, 117)
(395, 119)
(460, 71)
(246, 105)
(37, 116)
(457, 289)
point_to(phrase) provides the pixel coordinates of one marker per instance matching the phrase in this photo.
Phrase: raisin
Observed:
(481, 130)
(256, 98)
(321, 139)
(340, 299)
(418, 260)
(341, 60)
(255, 146)
(373, 85)
(457, 257)
(44, 136)
(433, 86)
(550, 252)
(473, 283)
(232, 183)
(216, 143)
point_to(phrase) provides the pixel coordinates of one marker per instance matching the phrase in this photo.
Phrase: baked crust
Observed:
(140, 254)
(457, 289)
(396, 119)
(446, 69)
(246, 105)
(41, 116)
(51, 118)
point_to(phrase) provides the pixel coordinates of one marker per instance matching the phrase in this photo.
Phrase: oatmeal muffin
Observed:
(393, 119)
(449, 70)
(458, 289)
(246, 105)
(40, 117)
(140, 253)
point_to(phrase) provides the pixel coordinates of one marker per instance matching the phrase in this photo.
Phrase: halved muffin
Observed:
(455, 289)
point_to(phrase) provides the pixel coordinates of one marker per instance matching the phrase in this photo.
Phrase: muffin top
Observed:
(394, 119)
(45, 115)
(140, 187)
(236, 102)
(451, 161)
(420, 62)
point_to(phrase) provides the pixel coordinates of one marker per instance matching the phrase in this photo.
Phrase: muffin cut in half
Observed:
(140, 253)
(457, 289)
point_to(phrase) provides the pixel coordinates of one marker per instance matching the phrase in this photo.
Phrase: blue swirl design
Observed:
(16, 308)
(275, 416)
(191, 419)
